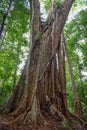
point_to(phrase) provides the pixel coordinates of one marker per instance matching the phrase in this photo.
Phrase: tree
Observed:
(77, 104)
(14, 47)
(76, 45)
(41, 87)
(5, 17)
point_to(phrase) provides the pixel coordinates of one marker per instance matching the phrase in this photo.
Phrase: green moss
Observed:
(64, 125)
(38, 36)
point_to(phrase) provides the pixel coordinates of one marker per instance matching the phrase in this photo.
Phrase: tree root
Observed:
(17, 120)
(78, 119)
(46, 119)
(26, 117)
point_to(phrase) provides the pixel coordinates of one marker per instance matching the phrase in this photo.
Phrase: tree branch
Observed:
(4, 18)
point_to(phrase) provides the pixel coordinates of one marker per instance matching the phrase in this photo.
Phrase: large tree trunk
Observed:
(42, 83)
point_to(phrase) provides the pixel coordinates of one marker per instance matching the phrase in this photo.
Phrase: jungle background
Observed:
(14, 46)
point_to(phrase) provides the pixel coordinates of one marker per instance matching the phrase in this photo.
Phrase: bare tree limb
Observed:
(4, 18)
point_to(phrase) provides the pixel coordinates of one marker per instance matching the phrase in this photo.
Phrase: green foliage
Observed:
(78, 4)
(38, 36)
(48, 3)
(65, 125)
(14, 48)
(76, 39)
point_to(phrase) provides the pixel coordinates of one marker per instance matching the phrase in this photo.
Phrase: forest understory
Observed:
(52, 124)
(49, 120)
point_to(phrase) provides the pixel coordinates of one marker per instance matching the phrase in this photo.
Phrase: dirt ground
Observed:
(5, 124)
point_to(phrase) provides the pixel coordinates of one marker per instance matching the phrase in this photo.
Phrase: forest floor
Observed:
(5, 124)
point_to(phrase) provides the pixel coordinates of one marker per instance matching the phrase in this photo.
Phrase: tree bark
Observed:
(62, 76)
(34, 90)
(35, 21)
(5, 17)
(77, 104)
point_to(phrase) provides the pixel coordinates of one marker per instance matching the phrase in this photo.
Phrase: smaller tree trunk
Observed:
(77, 104)
(35, 21)
(4, 18)
(14, 78)
(3, 84)
(62, 77)
(81, 82)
